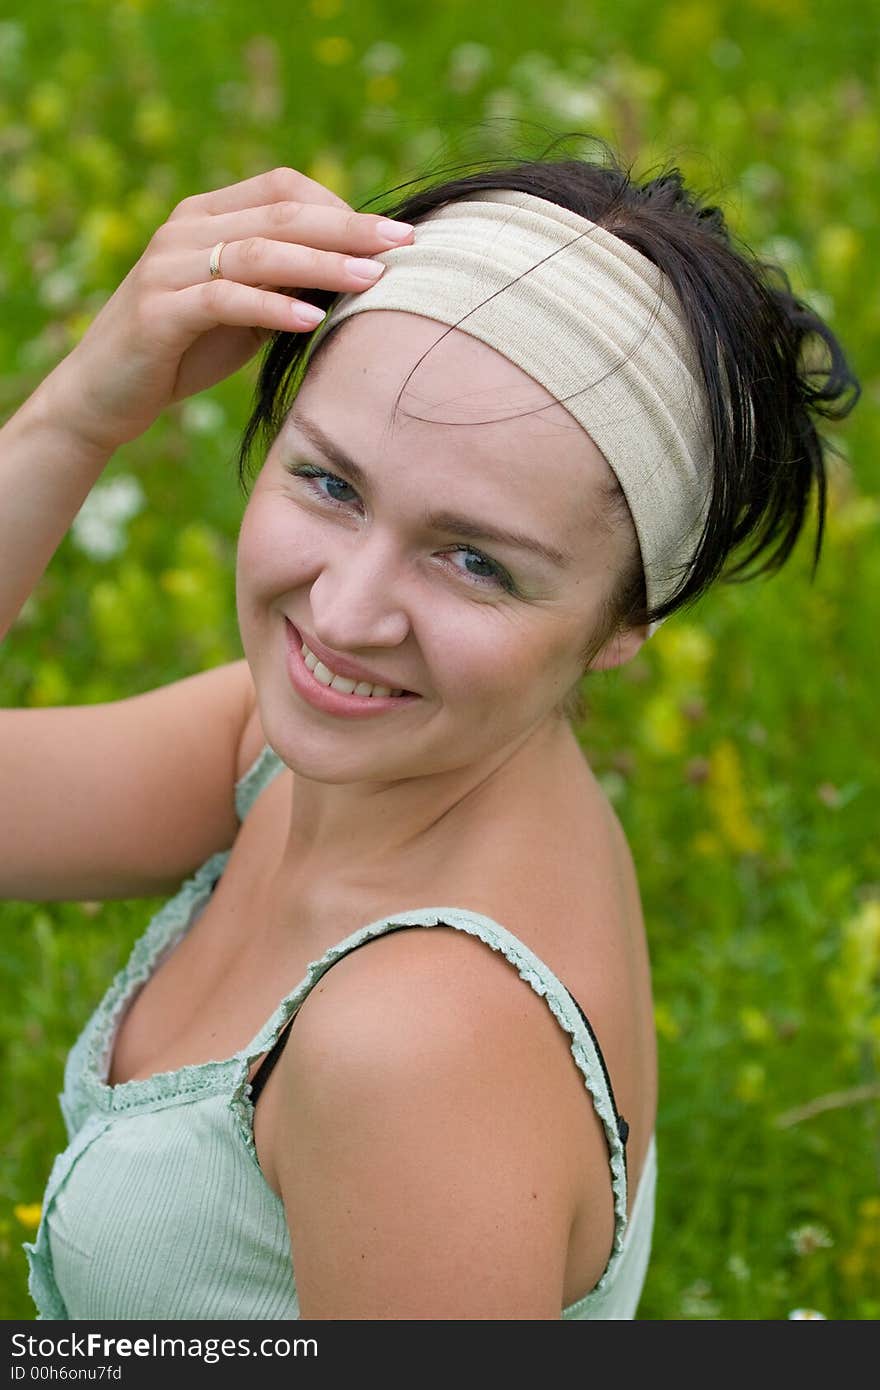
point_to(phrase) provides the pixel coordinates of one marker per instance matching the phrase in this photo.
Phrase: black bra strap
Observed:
(264, 1070)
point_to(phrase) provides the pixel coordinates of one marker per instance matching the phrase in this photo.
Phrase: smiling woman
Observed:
(561, 404)
(374, 561)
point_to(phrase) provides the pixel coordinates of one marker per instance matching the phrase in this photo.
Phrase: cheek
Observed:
(497, 659)
(273, 555)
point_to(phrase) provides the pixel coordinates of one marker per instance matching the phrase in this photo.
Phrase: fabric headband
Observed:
(595, 323)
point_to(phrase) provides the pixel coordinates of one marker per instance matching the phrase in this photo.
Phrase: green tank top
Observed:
(158, 1208)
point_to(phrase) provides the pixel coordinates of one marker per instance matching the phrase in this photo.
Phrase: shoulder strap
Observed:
(265, 766)
(267, 1066)
(534, 971)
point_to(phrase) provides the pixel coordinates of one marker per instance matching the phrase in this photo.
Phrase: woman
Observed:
(563, 403)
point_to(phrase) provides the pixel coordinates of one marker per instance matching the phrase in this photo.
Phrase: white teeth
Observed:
(323, 674)
(320, 672)
(343, 683)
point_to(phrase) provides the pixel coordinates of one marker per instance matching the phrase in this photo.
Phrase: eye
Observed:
(497, 577)
(316, 476)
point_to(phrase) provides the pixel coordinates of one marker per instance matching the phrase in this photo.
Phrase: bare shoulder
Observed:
(446, 987)
(426, 1095)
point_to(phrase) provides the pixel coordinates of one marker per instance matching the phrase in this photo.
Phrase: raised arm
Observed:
(125, 798)
(171, 329)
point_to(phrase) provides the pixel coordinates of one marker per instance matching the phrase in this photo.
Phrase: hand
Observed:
(170, 330)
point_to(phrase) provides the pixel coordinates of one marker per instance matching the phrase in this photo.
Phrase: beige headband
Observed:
(597, 324)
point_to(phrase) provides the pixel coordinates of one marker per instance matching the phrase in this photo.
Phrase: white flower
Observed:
(58, 288)
(202, 416)
(571, 101)
(696, 1301)
(782, 249)
(809, 1237)
(382, 58)
(467, 63)
(98, 528)
(806, 1313)
(738, 1268)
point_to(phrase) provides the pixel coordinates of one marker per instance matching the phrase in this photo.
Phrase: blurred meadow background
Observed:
(740, 748)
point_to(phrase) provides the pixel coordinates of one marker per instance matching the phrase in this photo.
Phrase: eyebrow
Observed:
(443, 521)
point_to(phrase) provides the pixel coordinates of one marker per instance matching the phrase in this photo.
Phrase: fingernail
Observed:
(393, 231)
(309, 314)
(365, 270)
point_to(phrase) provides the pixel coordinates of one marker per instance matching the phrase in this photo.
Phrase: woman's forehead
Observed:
(390, 369)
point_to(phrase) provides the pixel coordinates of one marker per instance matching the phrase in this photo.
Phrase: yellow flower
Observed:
(325, 168)
(28, 1213)
(860, 1266)
(382, 89)
(838, 249)
(50, 685)
(755, 1025)
(665, 1022)
(663, 726)
(153, 122)
(726, 796)
(685, 652)
(47, 106)
(333, 50)
(689, 27)
(856, 515)
(708, 844)
(749, 1084)
(109, 232)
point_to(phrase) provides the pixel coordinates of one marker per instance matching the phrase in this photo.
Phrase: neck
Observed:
(362, 836)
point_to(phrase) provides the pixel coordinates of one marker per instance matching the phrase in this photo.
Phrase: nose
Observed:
(353, 598)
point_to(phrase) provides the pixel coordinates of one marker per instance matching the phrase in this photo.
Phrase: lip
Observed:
(331, 701)
(341, 666)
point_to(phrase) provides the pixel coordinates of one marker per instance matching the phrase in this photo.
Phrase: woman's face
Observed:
(395, 567)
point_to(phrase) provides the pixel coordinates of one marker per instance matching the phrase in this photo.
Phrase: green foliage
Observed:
(739, 747)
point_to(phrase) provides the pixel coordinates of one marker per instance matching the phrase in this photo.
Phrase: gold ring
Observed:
(214, 266)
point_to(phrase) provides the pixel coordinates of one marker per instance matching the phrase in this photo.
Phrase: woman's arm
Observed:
(124, 798)
(169, 331)
(47, 470)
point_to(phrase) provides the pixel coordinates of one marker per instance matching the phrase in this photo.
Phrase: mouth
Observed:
(332, 693)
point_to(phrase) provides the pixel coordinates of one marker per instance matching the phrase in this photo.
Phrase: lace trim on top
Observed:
(260, 773)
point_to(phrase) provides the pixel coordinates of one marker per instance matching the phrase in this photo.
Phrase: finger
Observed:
(273, 186)
(311, 224)
(279, 265)
(241, 306)
(261, 262)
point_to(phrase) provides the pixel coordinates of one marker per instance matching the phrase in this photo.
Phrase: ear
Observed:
(620, 648)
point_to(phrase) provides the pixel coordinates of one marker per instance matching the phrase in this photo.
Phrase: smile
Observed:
(327, 677)
(333, 694)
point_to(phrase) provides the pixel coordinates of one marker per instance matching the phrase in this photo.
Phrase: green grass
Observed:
(739, 748)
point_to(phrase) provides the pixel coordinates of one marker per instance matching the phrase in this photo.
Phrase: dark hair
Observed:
(783, 365)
